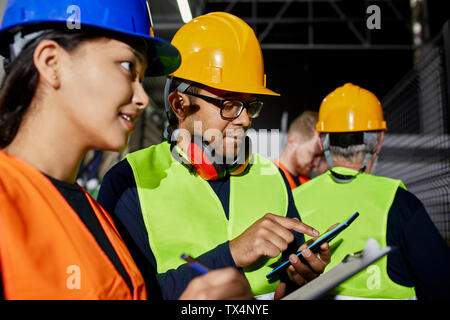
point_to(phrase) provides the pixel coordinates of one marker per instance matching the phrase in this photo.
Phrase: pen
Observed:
(194, 264)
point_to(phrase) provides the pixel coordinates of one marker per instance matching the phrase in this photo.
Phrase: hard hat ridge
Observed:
(350, 108)
(221, 51)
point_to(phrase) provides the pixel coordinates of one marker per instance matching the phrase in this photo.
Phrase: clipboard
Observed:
(351, 265)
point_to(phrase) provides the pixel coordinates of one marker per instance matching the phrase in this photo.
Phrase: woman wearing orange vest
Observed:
(73, 82)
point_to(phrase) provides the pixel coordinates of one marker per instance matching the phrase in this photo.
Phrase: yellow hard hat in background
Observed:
(221, 51)
(350, 108)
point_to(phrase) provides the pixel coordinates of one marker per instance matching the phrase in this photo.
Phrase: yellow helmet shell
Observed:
(350, 108)
(221, 51)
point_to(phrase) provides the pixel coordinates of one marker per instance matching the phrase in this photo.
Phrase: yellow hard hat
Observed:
(221, 51)
(350, 108)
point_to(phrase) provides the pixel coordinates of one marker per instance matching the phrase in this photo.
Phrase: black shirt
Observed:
(74, 195)
(119, 196)
(422, 257)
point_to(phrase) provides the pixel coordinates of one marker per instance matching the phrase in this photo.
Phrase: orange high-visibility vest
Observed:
(289, 177)
(47, 252)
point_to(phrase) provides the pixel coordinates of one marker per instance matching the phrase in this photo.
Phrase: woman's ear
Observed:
(47, 59)
(179, 104)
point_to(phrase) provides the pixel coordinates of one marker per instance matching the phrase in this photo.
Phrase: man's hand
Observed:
(301, 273)
(222, 284)
(268, 237)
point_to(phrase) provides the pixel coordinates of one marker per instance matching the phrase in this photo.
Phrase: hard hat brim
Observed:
(321, 127)
(164, 60)
(266, 91)
(231, 87)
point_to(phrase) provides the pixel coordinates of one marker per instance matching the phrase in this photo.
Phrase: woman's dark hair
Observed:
(21, 77)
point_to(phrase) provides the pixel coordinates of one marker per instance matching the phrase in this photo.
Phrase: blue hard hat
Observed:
(129, 17)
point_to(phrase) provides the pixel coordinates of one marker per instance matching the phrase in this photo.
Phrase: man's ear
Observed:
(320, 142)
(47, 59)
(293, 139)
(179, 103)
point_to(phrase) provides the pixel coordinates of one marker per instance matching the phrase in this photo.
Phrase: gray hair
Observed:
(356, 153)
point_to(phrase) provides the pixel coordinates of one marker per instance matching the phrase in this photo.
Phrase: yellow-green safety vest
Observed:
(322, 202)
(183, 214)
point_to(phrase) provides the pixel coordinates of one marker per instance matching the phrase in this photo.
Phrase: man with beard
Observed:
(203, 192)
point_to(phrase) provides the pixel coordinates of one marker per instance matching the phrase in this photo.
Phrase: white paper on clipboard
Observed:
(350, 266)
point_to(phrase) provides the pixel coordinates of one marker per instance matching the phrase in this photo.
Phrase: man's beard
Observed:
(227, 151)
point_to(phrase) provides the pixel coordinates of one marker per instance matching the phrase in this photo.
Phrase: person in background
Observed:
(322, 167)
(302, 153)
(351, 127)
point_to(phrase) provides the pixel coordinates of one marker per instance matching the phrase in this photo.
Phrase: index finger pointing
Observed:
(296, 225)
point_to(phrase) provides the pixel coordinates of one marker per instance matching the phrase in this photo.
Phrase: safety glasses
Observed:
(232, 109)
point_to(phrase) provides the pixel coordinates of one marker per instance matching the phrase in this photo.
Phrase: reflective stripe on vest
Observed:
(183, 214)
(322, 202)
(46, 250)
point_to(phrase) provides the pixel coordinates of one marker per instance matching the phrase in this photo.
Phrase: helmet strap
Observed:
(339, 178)
(326, 148)
(368, 136)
